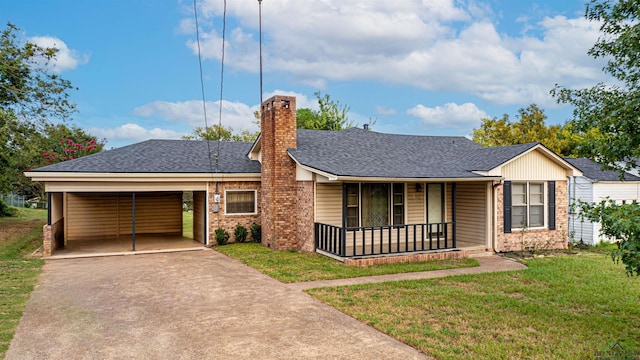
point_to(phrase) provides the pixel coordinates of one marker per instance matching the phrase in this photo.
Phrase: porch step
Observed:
(477, 251)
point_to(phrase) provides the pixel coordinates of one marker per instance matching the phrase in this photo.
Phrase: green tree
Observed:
(30, 95)
(530, 127)
(612, 109)
(331, 115)
(217, 132)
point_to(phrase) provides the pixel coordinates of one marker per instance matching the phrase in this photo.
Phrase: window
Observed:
(374, 204)
(240, 202)
(527, 205)
(398, 204)
(353, 205)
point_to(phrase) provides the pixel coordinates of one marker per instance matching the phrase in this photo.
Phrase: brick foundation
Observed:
(304, 215)
(48, 245)
(406, 258)
(541, 239)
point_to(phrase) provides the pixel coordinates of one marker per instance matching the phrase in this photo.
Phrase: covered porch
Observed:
(400, 218)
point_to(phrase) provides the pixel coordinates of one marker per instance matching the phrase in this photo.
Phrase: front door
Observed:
(435, 205)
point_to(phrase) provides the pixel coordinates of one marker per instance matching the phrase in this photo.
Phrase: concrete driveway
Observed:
(190, 305)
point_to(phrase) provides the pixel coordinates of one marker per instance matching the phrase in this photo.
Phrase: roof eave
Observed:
(157, 177)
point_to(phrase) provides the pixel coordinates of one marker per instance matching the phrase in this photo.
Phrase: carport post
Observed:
(133, 222)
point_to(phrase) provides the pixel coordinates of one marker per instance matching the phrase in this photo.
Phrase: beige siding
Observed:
(329, 204)
(471, 213)
(199, 216)
(415, 204)
(90, 215)
(533, 166)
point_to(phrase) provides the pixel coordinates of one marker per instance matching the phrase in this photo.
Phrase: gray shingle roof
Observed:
(593, 171)
(362, 153)
(163, 156)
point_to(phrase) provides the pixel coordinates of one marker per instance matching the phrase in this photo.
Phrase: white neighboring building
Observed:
(596, 185)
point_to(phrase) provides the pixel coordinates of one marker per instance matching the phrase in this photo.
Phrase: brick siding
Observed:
(229, 222)
(405, 258)
(539, 238)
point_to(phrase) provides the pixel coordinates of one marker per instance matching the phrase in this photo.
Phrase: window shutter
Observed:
(551, 188)
(506, 203)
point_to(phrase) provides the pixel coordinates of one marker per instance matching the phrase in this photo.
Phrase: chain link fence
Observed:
(20, 201)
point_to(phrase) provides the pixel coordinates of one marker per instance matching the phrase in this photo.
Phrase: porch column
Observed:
(453, 211)
(133, 221)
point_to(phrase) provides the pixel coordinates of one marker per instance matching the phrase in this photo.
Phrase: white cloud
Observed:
(441, 45)
(130, 133)
(448, 115)
(383, 110)
(237, 115)
(66, 59)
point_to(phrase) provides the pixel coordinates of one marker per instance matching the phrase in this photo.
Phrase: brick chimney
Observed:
(278, 189)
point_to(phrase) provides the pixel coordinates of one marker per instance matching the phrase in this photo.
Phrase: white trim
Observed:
(315, 171)
(140, 177)
(545, 204)
(255, 201)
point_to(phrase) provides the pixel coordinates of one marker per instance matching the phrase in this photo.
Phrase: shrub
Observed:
(222, 236)
(256, 233)
(6, 210)
(240, 233)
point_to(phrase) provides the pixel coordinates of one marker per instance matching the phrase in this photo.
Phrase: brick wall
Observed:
(279, 189)
(228, 222)
(48, 246)
(305, 212)
(538, 238)
(406, 258)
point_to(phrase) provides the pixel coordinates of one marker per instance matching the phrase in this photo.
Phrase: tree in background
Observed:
(613, 110)
(529, 128)
(331, 115)
(31, 95)
(218, 132)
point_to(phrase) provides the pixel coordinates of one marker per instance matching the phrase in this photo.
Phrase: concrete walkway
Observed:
(488, 263)
(189, 305)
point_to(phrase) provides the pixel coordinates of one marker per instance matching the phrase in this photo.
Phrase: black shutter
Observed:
(551, 188)
(507, 207)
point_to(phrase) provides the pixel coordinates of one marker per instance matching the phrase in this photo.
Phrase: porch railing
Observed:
(381, 240)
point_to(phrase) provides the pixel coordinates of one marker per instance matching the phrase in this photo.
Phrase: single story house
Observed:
(347, 194)
(594, 186)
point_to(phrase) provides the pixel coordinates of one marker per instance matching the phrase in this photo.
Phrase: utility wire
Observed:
(204, 103)
(224, 31)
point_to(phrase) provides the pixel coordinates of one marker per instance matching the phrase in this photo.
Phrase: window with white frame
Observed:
(527, 205)
(240, 202)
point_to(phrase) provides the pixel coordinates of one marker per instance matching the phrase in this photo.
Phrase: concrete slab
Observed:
(187, 305)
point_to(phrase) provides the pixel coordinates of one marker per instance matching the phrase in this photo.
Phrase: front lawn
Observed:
(297, 266)
(19, 236)
(560, 307)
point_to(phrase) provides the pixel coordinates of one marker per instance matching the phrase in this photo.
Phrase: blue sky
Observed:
(419, 67)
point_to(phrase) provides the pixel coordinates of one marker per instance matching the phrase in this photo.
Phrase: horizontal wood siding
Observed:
(329, 204)
(471, 212)
(90, 215)
(533, 166)
(415, 204)
(198, 216)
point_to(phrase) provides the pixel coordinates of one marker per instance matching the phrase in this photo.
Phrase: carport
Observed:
(131, 198)
(124, 216)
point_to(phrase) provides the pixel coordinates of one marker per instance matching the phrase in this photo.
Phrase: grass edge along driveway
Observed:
(298, 266)
(560, 307)
(19, 236)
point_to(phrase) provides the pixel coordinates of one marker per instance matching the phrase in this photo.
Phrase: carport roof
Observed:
(164, 156)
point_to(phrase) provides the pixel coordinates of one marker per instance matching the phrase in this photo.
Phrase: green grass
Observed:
(563, 307)
(19, 236)
(187, 224)
(297, 266)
